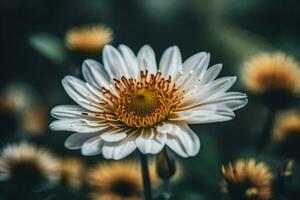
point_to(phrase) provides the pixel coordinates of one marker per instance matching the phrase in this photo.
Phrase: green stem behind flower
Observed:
(167, 189)
(267, 130)
(146, 177)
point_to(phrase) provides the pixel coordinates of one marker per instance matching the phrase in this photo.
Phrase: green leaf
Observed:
(49, 46)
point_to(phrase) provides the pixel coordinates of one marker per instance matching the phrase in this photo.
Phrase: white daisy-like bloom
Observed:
(131, 103)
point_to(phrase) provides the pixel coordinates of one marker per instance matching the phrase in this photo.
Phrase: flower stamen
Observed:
(145, 102)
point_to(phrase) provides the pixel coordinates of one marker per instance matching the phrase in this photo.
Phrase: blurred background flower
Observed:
(118, 180)
(273, 76)
(25, 167)
(286, 132)
(247, 180)
(71, 172)
(88, 38)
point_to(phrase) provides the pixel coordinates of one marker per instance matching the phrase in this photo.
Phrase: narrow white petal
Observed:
(211, 74)
(119, 150)
(72, 112)
(76, 140)
(222, 84)
(114, 135)
(192, 62)
(79, 92)
(199, 95)
(147, 143)
(232, 100)
(92, 146)
(194, 69)
(77, 125)
(180, 138)
(95, 74)
(204, 114)
(114, 63)
(67, 111)
(171, 63)
(147, 60)
(130, 61)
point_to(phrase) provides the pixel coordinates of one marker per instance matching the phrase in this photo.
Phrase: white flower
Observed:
(130, 103)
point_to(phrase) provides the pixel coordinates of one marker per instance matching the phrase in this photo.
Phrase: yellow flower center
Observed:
(145, 102)
(142, 102)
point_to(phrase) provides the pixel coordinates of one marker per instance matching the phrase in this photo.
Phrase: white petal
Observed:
(119, 150)
(232, 100)
(114, 135)
(147, 143)
(130, 61)
(114, 63)
(170, 63)
(199, 95)
(95, 74)
(68, 111)
(191, 64)
(147, 60)
(194, 69)
(76, 140)
(98, 93)
(79, 92)
(211, 74)
(92, 146)
(222, 84)
(181, 139)
(204, 114)
(77, 125)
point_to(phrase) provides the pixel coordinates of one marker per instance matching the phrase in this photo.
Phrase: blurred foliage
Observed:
(32, 34)
(49, 46)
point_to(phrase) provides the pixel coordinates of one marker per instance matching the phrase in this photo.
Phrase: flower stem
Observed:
(146, 177)
(267, 130)
(167, 189)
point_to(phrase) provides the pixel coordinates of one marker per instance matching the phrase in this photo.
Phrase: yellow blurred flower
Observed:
(247, 179)
(271, 72)
(287, 124)
(119, 180)
(71, 171)
(88, 38)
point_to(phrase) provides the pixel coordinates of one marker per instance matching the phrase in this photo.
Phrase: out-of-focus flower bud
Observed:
(165, 165)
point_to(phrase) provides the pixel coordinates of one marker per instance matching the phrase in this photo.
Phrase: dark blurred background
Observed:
(231, 30)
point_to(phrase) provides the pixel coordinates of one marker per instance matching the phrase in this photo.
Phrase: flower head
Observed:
(27, 163)
(128, 103)
(117, 180)
(247, 180)
(71, 171)
(88, 38)
(274, 76)
(286, 125)
(286, 133)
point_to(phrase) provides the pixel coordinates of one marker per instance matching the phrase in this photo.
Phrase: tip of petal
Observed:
(121, 46)
(88, 62)
(53, 126)
(68, 78)
(107, 46)
(53, 110)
